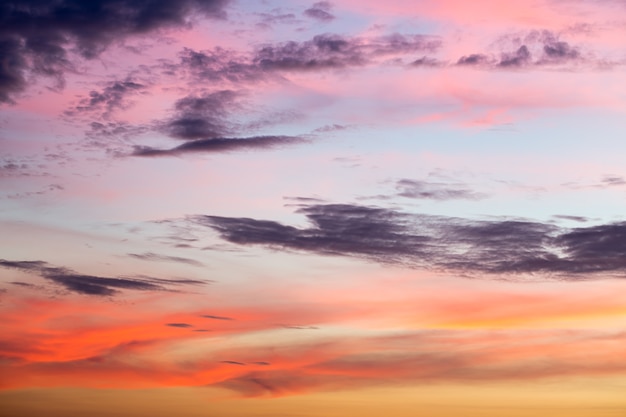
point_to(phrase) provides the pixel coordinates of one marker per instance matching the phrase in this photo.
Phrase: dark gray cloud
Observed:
(330, 51)
(149, 256)
(613, 181)
(221, 145)
(336, 229)
(234, 363)
(209, 316)
(435, 191)
(90, 284)
(201, 117)
(275, 17)
(502, 246)
(330, 128)
(320, 11)
(21, 284)
(39, 37)
(110, 98)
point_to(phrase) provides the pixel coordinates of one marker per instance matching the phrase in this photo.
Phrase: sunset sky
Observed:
(273, 208)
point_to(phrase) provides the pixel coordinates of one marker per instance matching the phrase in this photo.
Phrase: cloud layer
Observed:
(508, 246)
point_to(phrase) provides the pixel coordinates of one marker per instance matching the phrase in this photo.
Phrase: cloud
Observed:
(518, 52)
(149, 256)
(275, 17)
(234, 363)
(90, 284)
(110, 98)
(474, 59)
(216, 145)
(201, 121)
(519, 58)
(218, 65)
(613, 181)
(201, 117)
(320, 11)
(435, 191)
(40, 38)
(330, 51)
(21, 284)
(295, 327)
(580, 219)
(208, 316)
(322, 52)
(433, 356)
(501, 247)
(103, 286)
(180, 325)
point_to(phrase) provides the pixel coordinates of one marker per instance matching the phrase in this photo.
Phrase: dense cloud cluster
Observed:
(435, 191)
(449, 243)
(322, 52)
(93, 285)
(38, 37)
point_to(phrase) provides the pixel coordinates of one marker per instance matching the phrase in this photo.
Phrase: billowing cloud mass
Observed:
(39, 37)
(407, 208)
(507, 246)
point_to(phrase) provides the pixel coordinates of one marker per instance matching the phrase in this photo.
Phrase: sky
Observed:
(229, 208)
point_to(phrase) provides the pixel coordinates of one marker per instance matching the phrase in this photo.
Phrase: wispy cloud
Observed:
(320, 11)
(201, 117)
(330, 51)
(111, 98)
(438, 356)
(208, 316)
